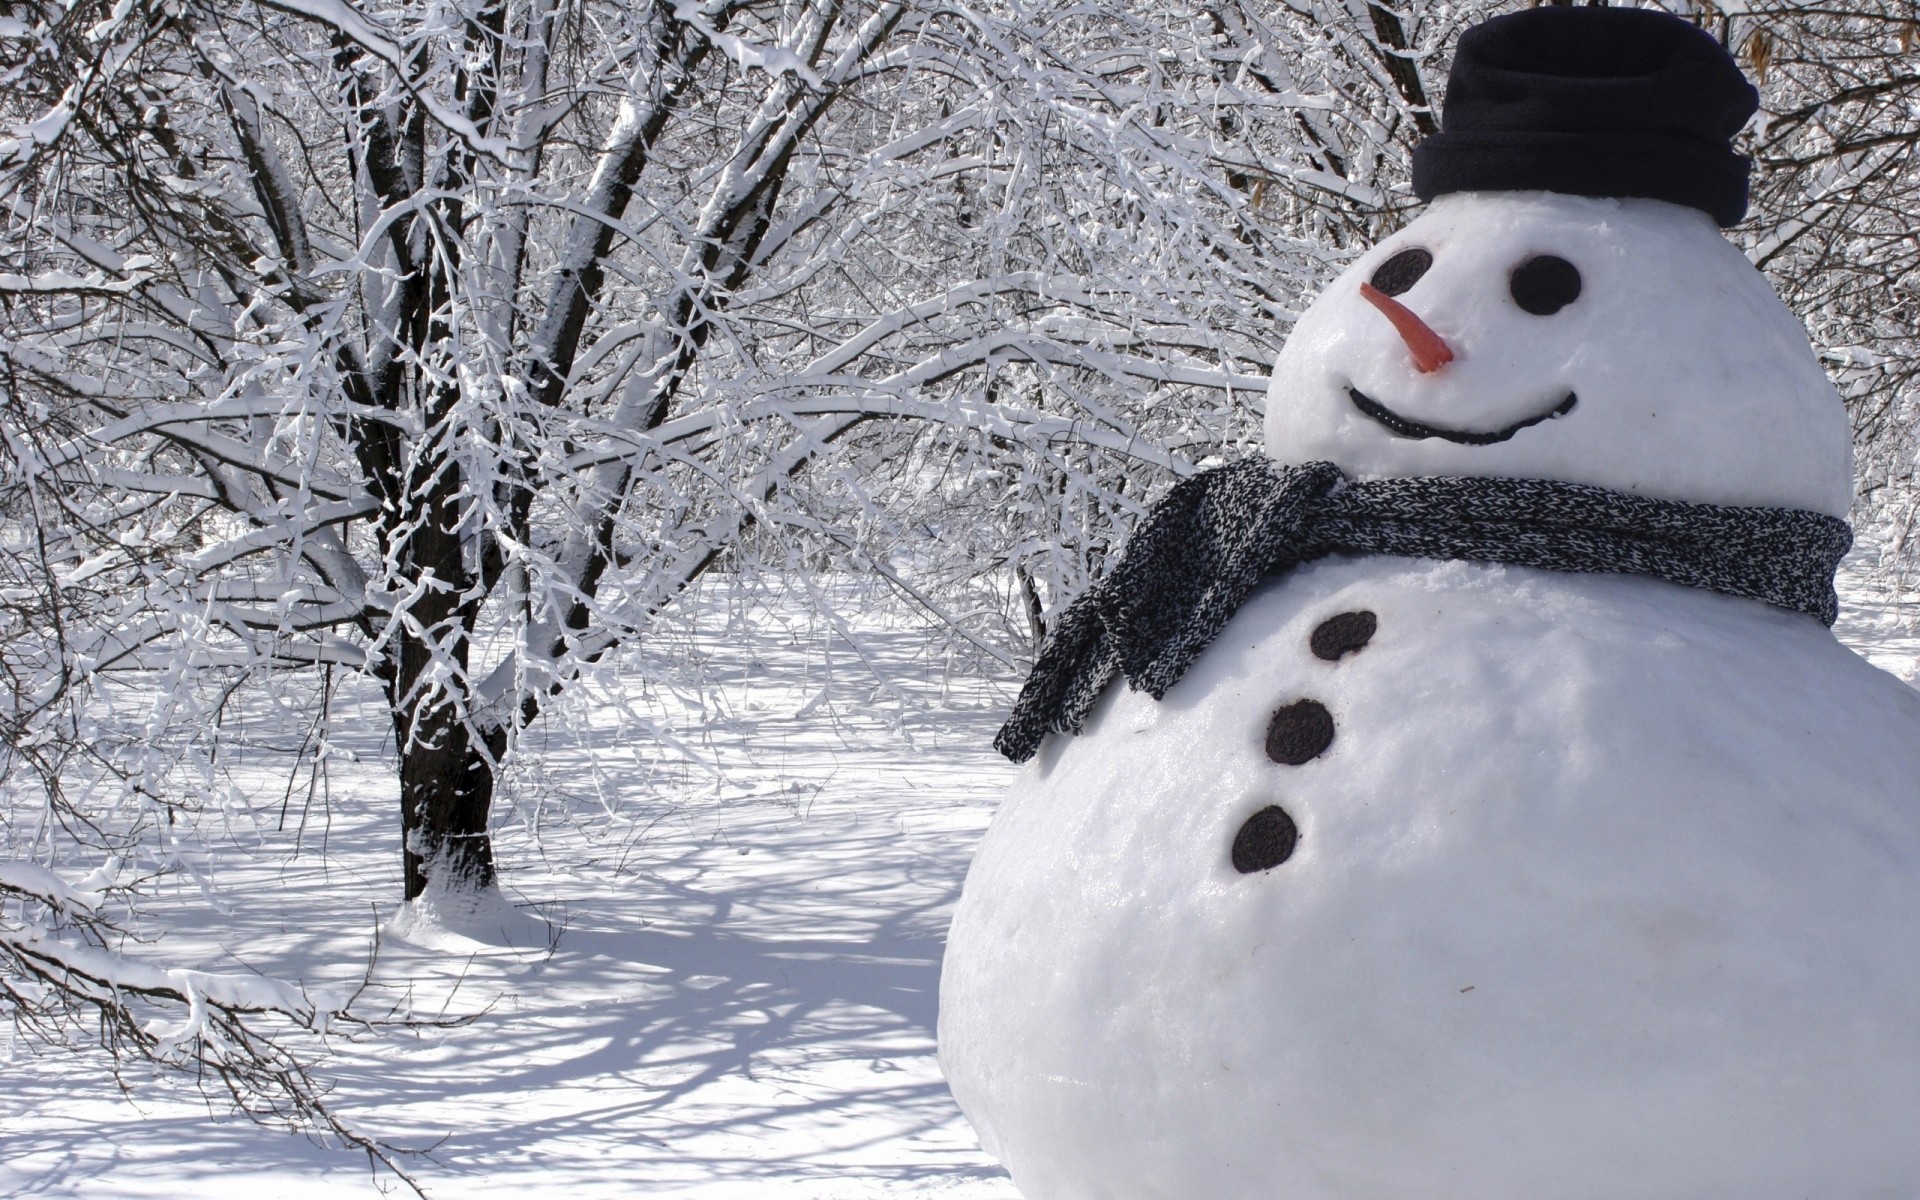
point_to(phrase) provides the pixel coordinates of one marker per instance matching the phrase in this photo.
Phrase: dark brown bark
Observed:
(446, 794)
(446, 765)
(1392, 46)
(447, 759)
(446, 773)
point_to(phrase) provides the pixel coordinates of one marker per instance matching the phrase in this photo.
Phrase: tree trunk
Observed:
(446, 793)
(447, 757)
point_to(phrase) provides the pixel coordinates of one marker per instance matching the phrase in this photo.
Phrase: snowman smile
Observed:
(1401, 426)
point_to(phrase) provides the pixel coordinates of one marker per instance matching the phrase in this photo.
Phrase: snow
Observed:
(353, 26)
(54, 889)
(1601, 882)
(774, 60)
(1693, 381)
(714, 974)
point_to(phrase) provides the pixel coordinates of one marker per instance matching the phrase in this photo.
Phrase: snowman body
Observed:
(1601, 886)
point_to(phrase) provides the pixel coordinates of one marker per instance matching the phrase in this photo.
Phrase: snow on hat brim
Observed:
(1592, 102)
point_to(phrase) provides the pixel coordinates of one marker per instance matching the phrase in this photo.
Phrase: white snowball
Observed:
(1692, 381)
(1605, 887)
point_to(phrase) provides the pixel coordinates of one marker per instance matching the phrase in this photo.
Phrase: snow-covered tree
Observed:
(450, 342)
(1837, 190)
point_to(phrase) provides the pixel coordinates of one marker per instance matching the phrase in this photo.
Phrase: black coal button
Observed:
(1343, 634)
(1265, 841)
(1299, 732)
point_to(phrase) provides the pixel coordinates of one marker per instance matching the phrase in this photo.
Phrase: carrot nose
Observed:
(1430, 350)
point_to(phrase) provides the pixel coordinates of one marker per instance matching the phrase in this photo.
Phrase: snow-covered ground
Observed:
(719, 977)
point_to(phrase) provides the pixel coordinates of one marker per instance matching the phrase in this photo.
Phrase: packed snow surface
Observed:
(1604, 887)
(712, 976)
(1691, 380)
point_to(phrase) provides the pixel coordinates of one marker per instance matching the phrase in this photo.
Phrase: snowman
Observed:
(1469, 798)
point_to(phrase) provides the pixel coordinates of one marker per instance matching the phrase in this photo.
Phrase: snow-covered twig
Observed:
(64, 983)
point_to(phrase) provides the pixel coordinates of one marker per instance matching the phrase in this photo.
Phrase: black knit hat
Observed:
(1592, 102)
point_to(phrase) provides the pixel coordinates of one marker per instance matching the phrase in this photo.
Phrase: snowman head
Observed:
(1556, 315)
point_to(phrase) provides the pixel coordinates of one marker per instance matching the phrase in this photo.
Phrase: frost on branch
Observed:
(448, 345)
(68, 982)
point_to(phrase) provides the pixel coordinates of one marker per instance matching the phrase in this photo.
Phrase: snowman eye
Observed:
(1545, 284)
(1402, 271)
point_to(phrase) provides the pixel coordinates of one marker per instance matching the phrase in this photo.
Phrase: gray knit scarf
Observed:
(1200, 551)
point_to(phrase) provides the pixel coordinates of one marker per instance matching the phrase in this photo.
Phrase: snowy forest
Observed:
(473, 461)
